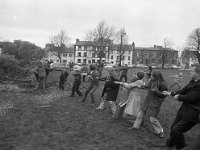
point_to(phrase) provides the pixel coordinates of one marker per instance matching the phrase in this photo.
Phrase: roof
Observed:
(93, 43)
(126, 47)
(51, 47)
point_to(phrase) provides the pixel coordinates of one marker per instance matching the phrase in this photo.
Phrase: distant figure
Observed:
(149, 72)
(41, 75)
(117, 70)
(124, 72)
(77, 83)
(71, 65)
(100, 69)
(48, 69)
(63, 78)
(84, 71)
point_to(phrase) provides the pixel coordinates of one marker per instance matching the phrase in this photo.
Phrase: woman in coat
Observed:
(133, 102)
(154, 100)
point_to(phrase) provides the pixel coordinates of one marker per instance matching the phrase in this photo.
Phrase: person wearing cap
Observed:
(93, 84)
(189, 112)
(41, 75)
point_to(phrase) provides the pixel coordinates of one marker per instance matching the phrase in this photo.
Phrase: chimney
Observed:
(154, 46)
(77, 40)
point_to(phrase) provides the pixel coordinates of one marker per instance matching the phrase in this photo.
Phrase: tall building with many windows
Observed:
(88, 52)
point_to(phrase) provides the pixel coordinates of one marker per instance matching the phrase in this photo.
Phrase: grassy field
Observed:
(51, 120)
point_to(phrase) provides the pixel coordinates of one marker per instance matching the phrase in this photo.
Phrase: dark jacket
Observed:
(190, 96)
(110, 88)
(124, 71)
(154, 98)
(77, 76)
(94, 77)
(63, 76)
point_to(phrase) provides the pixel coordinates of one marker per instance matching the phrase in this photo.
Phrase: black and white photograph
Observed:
(99, 75)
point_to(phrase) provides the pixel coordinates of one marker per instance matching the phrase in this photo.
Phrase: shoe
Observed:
(82, 100)
(161, 134)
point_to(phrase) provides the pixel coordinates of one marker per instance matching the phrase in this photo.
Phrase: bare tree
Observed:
(193, 42)
(60, 41)
(122, 39)
(101, 35)
(168, 43)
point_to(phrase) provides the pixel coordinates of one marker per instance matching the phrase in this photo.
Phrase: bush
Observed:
(8, 62)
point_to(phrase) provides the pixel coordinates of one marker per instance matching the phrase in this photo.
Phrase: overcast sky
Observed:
(147, 22)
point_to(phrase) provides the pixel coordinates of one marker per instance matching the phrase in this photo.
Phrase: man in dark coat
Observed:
(188, 114)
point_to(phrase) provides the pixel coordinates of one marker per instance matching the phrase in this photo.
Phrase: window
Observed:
(153, 54)
(79, 60)
(117, 57)
(111, 57)
(84, 61)
(79, 54)
(129, 57)
(138, 54)
(85, 54)
(123, 58)
(79, 47)
(93, 55)
(153, 61)
(85, 48)
(146, 54)
(111, 51)
(93, 61)
(64, 54)
(70, 55)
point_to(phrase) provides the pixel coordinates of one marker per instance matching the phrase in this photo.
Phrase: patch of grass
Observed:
(70, 125)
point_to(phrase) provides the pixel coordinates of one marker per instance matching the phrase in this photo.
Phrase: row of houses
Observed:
(87, 52)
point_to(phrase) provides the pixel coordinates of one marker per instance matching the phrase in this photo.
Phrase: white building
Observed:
(88, 52)
(66, 55)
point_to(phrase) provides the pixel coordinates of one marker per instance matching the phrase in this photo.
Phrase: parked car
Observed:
(109, 65)
(59, 66)
(141, 65)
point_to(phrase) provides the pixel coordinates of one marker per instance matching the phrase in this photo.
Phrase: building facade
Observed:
(87, 52)
(65, 55)
(153, 56)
